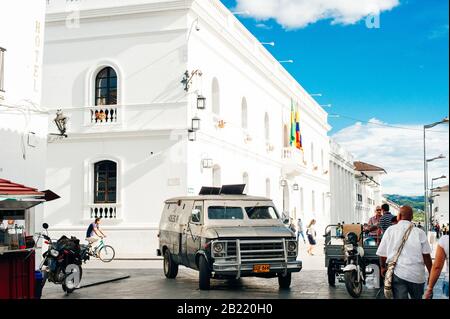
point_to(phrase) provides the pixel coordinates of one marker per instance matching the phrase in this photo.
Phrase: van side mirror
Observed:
(195, 216)
(286, 221)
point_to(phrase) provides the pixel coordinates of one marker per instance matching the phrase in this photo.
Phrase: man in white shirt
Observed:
(409, 273)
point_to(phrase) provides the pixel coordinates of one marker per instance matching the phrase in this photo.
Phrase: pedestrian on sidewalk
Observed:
(300, 230)
(439, 260)
(409, 273)
(385, 219)
(311, 234)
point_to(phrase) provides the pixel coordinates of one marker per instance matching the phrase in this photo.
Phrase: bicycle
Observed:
(103, 252)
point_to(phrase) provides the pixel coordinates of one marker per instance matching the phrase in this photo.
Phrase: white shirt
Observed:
(410, 265)
(443, 242)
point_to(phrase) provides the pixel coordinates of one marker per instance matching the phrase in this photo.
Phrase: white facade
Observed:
(342, 185)
(440, 205)
(23, 122)
(368, 193)
(243, 130)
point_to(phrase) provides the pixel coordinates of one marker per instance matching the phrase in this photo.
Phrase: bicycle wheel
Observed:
(106, 253)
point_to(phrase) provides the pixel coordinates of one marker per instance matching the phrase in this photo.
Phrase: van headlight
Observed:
(292, 246)
(54, 252)
(218, 247)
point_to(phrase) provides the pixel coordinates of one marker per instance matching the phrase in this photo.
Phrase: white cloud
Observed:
(293, 14)
(263, 26)
(399, 152)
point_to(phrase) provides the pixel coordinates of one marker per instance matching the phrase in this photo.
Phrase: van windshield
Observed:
(224, 212)
(261, 212)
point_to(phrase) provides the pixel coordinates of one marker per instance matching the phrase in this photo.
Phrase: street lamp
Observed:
(286, 61)
(195, 124)
(201, 102)
(326, 105)
(61, 123)
(268, 43)
(425, 168)
(192, 135)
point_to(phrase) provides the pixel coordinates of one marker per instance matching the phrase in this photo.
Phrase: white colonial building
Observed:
(137, 132)
(342, 185)
(368, 189)
(440, 204)
(23, 121)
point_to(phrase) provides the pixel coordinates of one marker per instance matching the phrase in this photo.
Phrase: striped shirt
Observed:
(386, 221)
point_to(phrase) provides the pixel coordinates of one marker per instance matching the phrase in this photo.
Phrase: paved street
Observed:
(147, 281)
(151, 283)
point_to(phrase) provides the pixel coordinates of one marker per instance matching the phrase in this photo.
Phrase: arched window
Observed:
(246, 181)
(266, 127)
(216, 176)
(106, 87)
(286, 136)
(215, 96)
(244, 114)
(105, 182)
(268, 187)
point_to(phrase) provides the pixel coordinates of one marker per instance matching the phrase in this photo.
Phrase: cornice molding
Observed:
(60, 16)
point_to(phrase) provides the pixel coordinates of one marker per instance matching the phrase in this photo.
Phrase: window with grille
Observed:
(105, 182)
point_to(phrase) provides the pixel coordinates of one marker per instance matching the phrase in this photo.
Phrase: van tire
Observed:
(284, 280)
(170, 267)
(204, 274)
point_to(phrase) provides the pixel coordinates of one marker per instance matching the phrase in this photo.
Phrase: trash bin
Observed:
(38, 284)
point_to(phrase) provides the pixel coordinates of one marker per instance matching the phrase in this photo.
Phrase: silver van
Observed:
(225, 234)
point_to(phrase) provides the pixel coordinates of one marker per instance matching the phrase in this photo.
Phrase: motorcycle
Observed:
(61, 263)
(355, 272)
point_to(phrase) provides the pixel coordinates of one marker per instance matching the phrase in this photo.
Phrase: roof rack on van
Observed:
(224, 190)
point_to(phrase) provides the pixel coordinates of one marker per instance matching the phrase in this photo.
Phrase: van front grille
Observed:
(257, 251)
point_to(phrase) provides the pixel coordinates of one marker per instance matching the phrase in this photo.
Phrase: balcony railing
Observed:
(293, 161)
(117, 118)
(103, 115)
(104, 211)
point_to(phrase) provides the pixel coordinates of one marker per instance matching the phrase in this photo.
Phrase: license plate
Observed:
(261, 268)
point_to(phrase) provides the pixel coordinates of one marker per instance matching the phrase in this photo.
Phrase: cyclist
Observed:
(94, 229)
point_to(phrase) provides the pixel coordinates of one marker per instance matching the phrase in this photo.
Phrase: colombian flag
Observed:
(298, 135)
(293, 139)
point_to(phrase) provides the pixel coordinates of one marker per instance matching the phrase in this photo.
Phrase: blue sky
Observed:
(397, 73)
(393, 75)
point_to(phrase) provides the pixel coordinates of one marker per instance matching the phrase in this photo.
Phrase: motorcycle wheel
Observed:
(68, 283)
(331, 275)
(354, 287)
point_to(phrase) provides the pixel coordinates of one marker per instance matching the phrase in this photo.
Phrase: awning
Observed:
(15, 196)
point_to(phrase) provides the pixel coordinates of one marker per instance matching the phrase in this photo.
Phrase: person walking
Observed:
(409, 245)
(386, 219)
(300, 230)
(374, 223)
(311, 234)
(440, 259)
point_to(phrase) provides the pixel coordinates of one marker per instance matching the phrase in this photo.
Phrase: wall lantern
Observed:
(192, 135)
(207, 163)
(201, 102)
(283, 183)
(295, 187)
(195, 124)
(61, 123)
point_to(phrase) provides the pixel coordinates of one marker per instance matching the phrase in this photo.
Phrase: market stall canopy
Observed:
(15, 196)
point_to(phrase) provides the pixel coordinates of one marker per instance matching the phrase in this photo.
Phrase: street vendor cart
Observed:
(17, 255)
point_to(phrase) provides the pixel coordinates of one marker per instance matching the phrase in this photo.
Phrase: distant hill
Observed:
(416, 202)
